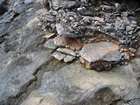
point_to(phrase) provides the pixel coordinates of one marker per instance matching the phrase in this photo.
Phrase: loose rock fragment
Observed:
(59, 41)
(49, 35)
(102, 51)
(67, 51)
(75, 28)
(99, 19)
(59, 56)
(50, 44)
(69, 58)
(71, 43)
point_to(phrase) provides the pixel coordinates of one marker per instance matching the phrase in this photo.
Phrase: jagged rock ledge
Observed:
(97, 26)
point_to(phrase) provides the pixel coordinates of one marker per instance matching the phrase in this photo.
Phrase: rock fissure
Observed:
(52, 64)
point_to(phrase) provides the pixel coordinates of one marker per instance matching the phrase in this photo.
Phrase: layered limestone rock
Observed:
(73, 85)
(104, 52)
(30, 76)
(91, 22)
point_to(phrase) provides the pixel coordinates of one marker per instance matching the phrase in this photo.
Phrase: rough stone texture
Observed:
(101, 51)
(67, 86)
(59, 56)
(30, 76)
(69, 58)
(18, 72)
(20, 55)
(67, 51)
(72, 43)
(112, 18)
(50, 44)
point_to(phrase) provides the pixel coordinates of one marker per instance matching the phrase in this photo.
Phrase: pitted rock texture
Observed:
(30, 76)
(93, 22)
(101, 51)
(82, 18)
(94, 53)
(73, 85)
(100, 55)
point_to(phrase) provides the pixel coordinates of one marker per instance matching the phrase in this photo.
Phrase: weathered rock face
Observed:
(30, 76)
(82, 18)
(3, 6)
(73, 85)
(104, 52)
(93, 22)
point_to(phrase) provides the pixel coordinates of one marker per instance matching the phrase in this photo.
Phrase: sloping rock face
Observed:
(73, 85)
(30, 76)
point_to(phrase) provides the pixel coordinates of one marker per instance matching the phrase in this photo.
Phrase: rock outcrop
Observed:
(90, 22)
(29, 75)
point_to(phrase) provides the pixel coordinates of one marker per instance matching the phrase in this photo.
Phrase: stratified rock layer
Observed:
(73, 85)
(94, 23)
(104, 52)
(101, 51)
(30, 76)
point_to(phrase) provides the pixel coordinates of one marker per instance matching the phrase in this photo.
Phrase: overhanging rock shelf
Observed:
(102, 34)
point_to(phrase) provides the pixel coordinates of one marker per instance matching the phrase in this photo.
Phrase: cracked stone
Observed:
(49, 35)
(67, 51)
(59, 56)
(107, 51)
(18, 72)
(69, 58)
(66, 85)
(72, 43)
(99, 19)
(28, 73)
(50, 44)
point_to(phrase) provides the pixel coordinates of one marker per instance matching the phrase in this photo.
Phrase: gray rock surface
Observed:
(18, 72)
(59, 56)
(30, 76)
(101, 51)
(73, 84)
(69, 58)
(107, 17)
(67, 51)
(50, 44)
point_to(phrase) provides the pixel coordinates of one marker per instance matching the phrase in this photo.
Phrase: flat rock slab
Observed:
(50, 44)
(67, 51)
(74, 85)
(59, 56)
(69, 42)
(18, 72)
(105, 51)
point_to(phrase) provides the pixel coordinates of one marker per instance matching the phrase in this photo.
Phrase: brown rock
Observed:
(100, 55)
(101, 51)
(72, 43)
